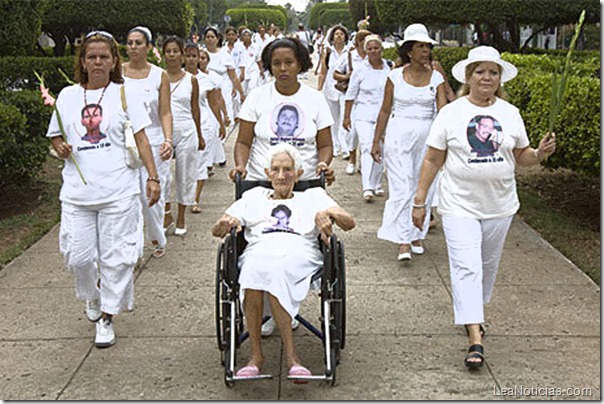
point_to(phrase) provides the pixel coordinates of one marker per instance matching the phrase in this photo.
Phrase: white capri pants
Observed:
(334, 108)
(474, 248)
(154, 216)
(107, 233)
(186, 157)
(371, 172)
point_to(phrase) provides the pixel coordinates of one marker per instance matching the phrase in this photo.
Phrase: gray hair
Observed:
(288, 149)
(374, 38)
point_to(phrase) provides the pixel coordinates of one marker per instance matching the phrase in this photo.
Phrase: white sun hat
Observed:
(484, 54)
(418, 33)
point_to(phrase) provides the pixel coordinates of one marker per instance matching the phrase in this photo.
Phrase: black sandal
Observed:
(476, 351)
(482, 330)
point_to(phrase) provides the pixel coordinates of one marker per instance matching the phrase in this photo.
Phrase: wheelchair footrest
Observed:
(310, 377)
(258, 377)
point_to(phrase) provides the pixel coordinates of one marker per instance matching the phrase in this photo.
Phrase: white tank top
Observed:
(147, 90)
(180, 94)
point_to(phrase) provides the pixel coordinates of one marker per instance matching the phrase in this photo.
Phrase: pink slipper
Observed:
(299, 370)
(248, 371)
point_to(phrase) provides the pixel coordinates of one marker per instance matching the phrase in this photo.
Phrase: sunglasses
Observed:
(101, 33)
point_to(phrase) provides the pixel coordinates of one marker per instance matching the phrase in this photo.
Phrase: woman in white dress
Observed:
(409, 96)
(151, 85)
(184, 92)
(100, 218)
(282, 229)
(363, 100)
(209, 107)
(251, 64)
(334, 52)
(223, 63)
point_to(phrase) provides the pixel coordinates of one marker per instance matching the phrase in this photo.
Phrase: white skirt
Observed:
(280, 268)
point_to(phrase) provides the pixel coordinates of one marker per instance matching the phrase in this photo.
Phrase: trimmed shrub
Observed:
(18, 72)
(320, 8)
(329, 18)
(20, 158)
(251, 17)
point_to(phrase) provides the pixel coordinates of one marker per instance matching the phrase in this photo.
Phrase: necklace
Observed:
(98, 102)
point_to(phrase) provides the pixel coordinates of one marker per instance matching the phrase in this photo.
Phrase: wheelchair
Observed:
(230, 329)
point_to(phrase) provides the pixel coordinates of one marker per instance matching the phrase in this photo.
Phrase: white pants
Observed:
(371, 172)
(107, 233)
(346, 141)
(186, 157)
(474, 248)
(154, 216)
(334, 108)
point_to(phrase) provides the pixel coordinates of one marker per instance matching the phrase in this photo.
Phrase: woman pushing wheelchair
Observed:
(282, 228)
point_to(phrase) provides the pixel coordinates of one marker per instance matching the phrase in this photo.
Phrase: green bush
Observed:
(548, 63)
(578, 125)
(251, 17)
(332, 17)
(18, 72)
(319, 8)
(20, 157)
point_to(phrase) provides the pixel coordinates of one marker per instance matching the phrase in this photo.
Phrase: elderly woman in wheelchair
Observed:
(282, 229)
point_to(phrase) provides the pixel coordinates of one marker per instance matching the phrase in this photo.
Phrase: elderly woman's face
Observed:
(420, 53)
(282, 173)
(485, 79)
(373, 50)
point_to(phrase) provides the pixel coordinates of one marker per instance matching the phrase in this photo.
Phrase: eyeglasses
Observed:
(101, 33)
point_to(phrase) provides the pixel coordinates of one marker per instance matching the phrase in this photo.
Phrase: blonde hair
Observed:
(374, 38)
(465, 87)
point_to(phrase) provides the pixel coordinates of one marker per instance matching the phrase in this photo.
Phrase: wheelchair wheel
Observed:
(340, 313)
(219, 293)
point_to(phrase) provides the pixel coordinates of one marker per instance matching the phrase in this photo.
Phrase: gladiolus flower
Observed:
(48, 99)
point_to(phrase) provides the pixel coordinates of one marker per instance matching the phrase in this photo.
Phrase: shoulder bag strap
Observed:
(123, 97)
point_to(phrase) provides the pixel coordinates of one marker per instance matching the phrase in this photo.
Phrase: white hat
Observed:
(418, 33)
(484, 54)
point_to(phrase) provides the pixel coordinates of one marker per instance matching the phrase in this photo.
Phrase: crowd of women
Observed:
(401, 121)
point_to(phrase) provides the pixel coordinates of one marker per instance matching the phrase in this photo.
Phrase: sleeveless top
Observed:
(147, 90)
(414, 102)
(180, 94)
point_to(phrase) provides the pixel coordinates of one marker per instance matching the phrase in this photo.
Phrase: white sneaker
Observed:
(105, 336)
(417, 249)
(269, 327)
(368, 195)
(350, 169)
(93, 310)
(180, 232)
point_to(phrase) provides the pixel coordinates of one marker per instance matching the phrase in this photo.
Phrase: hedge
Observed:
(320, 8)
(329, 18)
(18, 72)
(20, 157)
(251, 17)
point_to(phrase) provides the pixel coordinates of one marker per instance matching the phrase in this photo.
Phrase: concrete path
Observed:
(543, 331)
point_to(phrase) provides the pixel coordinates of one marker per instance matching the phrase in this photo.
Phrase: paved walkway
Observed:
(543, 330)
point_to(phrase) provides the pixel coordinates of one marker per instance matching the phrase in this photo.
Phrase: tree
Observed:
(200, 12)
(251, 17)
(359, 9)
(494, 17)
(66, 20)
(319, 8)
(19, 27)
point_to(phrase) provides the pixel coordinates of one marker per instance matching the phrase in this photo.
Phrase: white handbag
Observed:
(133, 159)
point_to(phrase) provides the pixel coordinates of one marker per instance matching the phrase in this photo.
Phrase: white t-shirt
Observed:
(147, 90)
(366, 88)
(333, 62)
(206, 84)
(304, 37)
(249, 60)
(294, 119)
(221, 61)
(270, 221)
(100, 154)
(478, 178)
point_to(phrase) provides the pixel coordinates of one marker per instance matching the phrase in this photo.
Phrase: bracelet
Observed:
(168, 141)
(154, 179)
(322, 162)
(419, 206)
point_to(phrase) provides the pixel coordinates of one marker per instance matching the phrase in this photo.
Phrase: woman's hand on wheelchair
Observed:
(224, 225)
(330, 174)
(324, 225)
(238, 169)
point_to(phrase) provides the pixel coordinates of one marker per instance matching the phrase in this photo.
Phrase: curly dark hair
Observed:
(300, 52)
(338, 28)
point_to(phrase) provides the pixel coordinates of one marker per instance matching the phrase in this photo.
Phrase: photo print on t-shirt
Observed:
(280, 218)
(92, 116)
(287, 124)
(484, 136)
